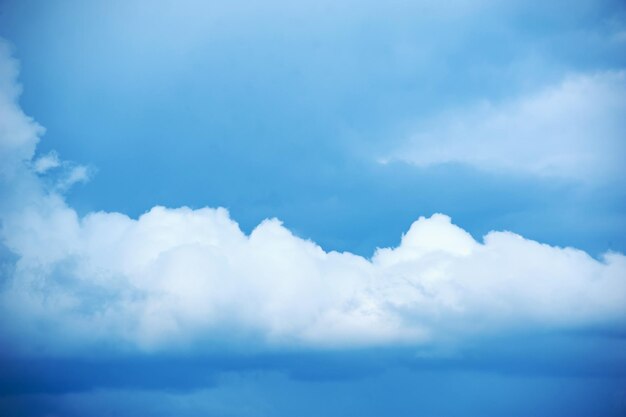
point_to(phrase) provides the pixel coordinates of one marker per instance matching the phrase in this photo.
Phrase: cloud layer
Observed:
(571, 130)
(175, 278)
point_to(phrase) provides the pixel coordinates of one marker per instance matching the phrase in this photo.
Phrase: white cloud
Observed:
(46, 162)
(175, 278)
(70, 173)
(18, 132)
(571, 130)
(178, 276)
(74, 174)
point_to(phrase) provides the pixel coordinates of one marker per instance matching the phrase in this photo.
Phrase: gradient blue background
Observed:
(280, 109)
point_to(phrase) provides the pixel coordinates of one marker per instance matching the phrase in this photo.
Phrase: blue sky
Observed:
(237, 205)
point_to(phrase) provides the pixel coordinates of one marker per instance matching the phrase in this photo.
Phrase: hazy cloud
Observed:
(46, 162)
(574, 129)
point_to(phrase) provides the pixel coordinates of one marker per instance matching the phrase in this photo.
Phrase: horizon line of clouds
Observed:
(175, 279)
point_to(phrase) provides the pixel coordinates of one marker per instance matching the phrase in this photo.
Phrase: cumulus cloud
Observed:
(574, 129)
(175, 278)
(180, 276)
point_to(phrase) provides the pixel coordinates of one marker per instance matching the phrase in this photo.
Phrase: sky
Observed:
(316, 208)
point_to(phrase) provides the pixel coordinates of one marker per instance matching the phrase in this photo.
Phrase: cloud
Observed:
(18, 133)
(46, 162)
(177, 278)
(70, 174)
(574, 130)
(316, 383)
(74, 174)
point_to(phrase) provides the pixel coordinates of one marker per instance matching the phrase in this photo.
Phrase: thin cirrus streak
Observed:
(176, 277)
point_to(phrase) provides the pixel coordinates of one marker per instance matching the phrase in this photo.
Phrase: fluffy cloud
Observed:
(175, 278)
(186, 275)
(572, 130)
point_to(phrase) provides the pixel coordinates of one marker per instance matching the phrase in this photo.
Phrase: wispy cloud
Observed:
(573, 130)
(46, 162)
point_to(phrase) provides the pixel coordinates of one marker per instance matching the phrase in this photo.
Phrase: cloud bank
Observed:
(570, 130)
(177, 278)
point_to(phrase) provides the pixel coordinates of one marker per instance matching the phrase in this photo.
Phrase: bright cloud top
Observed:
(573, 130)
(175, 278)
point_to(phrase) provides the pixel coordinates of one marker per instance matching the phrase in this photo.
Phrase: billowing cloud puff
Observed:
(175, 278)
(180, 276)
(570, 130)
